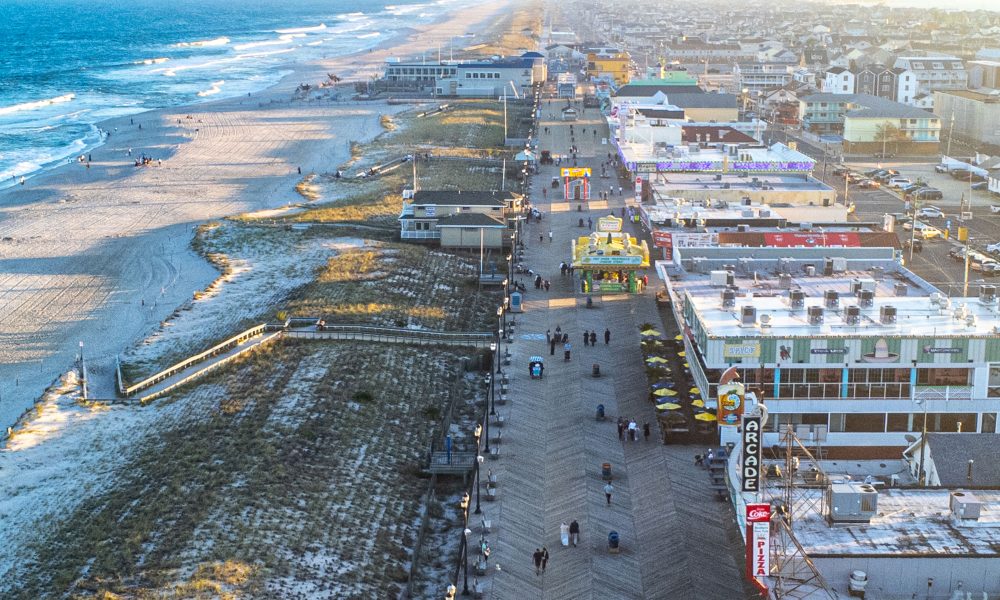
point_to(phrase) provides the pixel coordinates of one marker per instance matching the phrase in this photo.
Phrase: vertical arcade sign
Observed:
(758, 540)
(750, 472)
(638, 188)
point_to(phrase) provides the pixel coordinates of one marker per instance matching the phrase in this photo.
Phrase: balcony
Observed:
(943, 392)
(420, 234)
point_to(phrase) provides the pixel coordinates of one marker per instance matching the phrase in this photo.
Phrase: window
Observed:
(959, 376)
(901, 422)
(863, 422)
(989, 423)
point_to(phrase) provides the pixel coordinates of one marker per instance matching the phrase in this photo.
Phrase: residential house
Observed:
(760, 77)
(872, 125)
(935, 73)
(611, 64)
(956, 461)
(458, 219)
(970, 115)
(892, 83)
(838, 80)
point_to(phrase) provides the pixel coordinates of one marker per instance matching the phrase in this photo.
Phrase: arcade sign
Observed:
(575, 172)
(750, 471)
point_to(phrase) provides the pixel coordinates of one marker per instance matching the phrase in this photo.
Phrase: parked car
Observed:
(959, 173)
(923, 230)
(993, 248)
(928, 193)
(869, 184)
(981, 262)
(918, 246)
(899, 182)
(840, 171)
(872, 172)
(941, 168)
(958, 253)
(981, 185)
(930, 212)
(995, 208)
(913, 187)
(855, 177)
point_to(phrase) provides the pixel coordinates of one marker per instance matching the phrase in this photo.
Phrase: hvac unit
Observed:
(855, 287)
(988, 294)
(851, 502)
(866, 299)
(746, 213)
(878, 273)
(698, 264)
(815, 315)
(718, 278)
(743, 228)
(965, 506)
(887, 315)
(810, 270)
(831, 299)
(796, 299)
(839, 264)
(852, 315)
(827, 266)
(728, 298)
(785, 265)
(764, 213)
(765, 321)
(745, 201)
(868, 284)
(784, 281)
(901, 289)
(731, 277)
(748, 315)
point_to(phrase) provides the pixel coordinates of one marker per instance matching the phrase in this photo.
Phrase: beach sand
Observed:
(101, 255)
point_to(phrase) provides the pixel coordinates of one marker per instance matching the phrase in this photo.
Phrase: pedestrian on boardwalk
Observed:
(619, 190)
(537, 557)
(548, 336)
(550, 236)
(541, 236)
(545, 558)
(565, 338)
(574, 533)
(607, 336)
(593, 338)
(586, 338)
(621, 429)
(590, 223)
(552, 347)
(645, 430)
(633, 430)
(608, 490)
(546, 284)
(566, 351)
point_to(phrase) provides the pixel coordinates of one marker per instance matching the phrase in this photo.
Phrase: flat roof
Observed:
(971, 95)
(778, 158)
(909, 523)
(758, 284)
(765, 182)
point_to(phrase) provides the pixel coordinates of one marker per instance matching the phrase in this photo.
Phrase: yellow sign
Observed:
(609, 223)
(576, 172)
(730, 403)
(963, 234)
(741, 350)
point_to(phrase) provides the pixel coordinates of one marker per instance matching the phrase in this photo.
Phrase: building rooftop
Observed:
(952, 453)
(460, 198)
(869, 106)
(764, 182)
(759, 283)
(709, 134)
(908, 523)
(973, 95)
(643, 91)
(470, 220)
(776, 159)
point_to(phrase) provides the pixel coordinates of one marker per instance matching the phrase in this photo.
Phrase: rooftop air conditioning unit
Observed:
(743, 228)
(764, 213)
(839, 264)
(901, 289)
(988, 294)
(815, 315)
(718, 278)
(855, 287)
(731, 276)
(784, 281)
(852, 315)
(827, 266)
(748, 316)
(728, 298)
(746, 214)
(867, 284)
(965, 506)
(810, 270)
(698, 264)
(831, 299)
(887, 315)
(878, 273)
(785, 265)
(866, 299)
(796, 299)
(851, 502)
(765, 321)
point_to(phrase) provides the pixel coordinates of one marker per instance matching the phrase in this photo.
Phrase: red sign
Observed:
(758, 541)
(665, 240)
(758, 512)
(812, 238)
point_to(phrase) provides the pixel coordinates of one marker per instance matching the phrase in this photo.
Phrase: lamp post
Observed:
(479, 484)
(921, 476)
(494, 347)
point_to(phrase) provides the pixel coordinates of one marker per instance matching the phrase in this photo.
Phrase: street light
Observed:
(921, 476)
(479, 484)
(500, 322)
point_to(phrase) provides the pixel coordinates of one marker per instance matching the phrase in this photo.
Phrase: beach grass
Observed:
(516, 32)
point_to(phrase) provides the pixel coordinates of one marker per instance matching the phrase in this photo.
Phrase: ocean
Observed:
(66, 65)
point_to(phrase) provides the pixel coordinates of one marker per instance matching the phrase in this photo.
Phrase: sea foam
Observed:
(8, 110)
(219, 41)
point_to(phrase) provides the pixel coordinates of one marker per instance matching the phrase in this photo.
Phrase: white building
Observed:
(838, 80)
(935, 72)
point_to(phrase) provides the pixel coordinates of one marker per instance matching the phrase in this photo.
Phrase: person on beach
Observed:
(608, 490)
(550, 236)
(621, 429)
(593, 338)
(607, 336)
(574, 533)
(537, 558)
(586, 337)
(645, 431)
(548, 336)
(545, 558)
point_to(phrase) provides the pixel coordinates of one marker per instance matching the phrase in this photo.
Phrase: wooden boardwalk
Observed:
(677, 540)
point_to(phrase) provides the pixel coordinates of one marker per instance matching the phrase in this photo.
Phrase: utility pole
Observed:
(951, 132)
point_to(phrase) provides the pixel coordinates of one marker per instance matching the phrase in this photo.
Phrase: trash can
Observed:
(600, 412)
(606, 471)
(613, 542)
(596, 370)
(581, 223)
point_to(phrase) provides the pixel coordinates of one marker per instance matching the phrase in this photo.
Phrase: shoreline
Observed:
(122, 234)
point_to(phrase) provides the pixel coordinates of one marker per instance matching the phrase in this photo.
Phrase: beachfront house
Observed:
(512, 77)
(457, 219)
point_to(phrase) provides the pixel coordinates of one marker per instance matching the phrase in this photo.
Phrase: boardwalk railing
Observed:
(393, 334)
(193, 360)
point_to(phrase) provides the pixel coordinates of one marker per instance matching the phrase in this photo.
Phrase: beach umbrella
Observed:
(668, 406)
(664, 392)
(650, 332)
(698, 403)
(656, 359)
(663, 383)
(687, 366)
(694, 390)
(705, 416)
(682, 354)
(679, 337)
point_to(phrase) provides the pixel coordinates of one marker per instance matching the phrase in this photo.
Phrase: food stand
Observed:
(609, 259)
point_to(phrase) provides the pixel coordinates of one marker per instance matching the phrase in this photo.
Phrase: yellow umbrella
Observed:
(694, 390)
(682, 354)
(651, 332)
(698, 403)
(668, 406)
(656, 359)
(664, 392)
(678, 337)
(705, 416)
(686, 365)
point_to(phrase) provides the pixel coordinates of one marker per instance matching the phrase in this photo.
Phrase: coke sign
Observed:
(758, 512)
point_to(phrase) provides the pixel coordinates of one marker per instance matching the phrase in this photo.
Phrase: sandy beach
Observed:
(100, 256)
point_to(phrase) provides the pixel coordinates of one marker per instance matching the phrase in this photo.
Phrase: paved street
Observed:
(671, 526)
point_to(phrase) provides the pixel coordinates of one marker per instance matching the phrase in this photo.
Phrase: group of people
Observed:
(590, 337)
(631, 428)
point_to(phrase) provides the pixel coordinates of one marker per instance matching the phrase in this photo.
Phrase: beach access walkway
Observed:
(676, 539)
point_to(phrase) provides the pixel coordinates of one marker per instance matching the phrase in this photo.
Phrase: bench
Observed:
(487, 525)
(500, 421)
(491, 493)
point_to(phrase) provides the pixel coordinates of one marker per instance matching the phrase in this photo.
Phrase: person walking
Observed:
(608, 490)
(633, 430)
(586, 338)
(552, 347)
(593, 338)
(537, 558)
(550, 236)
(607, 336)
(645, 430)
(621, 429)
(545, 558)
(548, 336)
(574, 533)
(546, 284)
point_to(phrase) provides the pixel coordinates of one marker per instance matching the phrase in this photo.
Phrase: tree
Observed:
(887, 132)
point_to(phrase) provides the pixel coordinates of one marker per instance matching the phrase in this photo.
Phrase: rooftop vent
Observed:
(810, 270)
(965, 506)
(866, 299)
(796, 299)
(831, 299)
(748, 315)
(852, 502)
(718, 278)
(784, 281)
(839, 264)
(988, 294)
(878, 273)
(815, 315)
(728, 298)
(887, 315)
(852, 315)
(901, 289)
